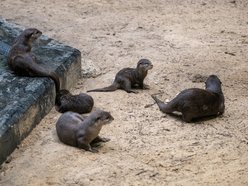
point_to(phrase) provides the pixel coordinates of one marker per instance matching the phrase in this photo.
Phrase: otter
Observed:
(196, 103)
(129, 78)
(23, 62)
(75, 130)
(81, 103)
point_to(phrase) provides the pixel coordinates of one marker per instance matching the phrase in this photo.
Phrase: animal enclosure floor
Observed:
(184, 40)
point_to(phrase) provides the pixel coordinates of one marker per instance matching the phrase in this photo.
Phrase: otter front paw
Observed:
(105, 139)
(93, 150)
(146, 87)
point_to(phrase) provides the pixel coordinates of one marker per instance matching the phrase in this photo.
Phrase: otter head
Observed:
(31, 34)
(102, 117)
(213, 84)
(61, 93)
(144, 65)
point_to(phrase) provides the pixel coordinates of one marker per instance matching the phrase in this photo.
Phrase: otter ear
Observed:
(29, 34)
(109, 115)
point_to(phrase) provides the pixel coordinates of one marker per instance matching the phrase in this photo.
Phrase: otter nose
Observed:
(111, 118)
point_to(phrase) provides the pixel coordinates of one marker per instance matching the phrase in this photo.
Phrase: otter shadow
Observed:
(179, 116)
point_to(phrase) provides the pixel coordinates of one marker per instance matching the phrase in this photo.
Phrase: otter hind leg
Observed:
(25, 65)
(126, 85)
(20, 65)
(187, 117)
(189, 112)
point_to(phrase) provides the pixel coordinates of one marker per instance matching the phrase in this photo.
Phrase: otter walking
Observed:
(195, 102)
(81, 103)
(23, 62)
(77, 131)
(129, 78)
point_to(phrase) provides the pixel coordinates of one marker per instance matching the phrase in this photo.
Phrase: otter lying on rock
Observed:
(75, 130)
(23, 62)
(195, 102)
(129, 78)
(81, 103)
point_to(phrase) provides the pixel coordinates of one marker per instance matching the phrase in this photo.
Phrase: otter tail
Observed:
(43, 73)
(37, 70)
(110, 88)
(165, 108)
(55, 78)
(158, 101)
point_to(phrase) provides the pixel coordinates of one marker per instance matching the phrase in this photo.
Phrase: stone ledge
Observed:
(24, 101)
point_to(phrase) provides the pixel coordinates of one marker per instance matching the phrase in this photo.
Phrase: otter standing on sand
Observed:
(129, 78)
(23, 62)
(75, 130)
(195, 102)
(81, 103)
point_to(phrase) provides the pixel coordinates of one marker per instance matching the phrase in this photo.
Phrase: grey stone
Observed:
(24, 101)
(90, 69)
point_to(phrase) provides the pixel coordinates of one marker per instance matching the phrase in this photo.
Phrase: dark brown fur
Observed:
(129, 78)
(23, 62)
(77, 131)
(81, 103)
(195, 102)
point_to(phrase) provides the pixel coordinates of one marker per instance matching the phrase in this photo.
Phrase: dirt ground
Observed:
(183, 39)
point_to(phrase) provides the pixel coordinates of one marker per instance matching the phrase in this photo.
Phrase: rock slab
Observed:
(24, 101)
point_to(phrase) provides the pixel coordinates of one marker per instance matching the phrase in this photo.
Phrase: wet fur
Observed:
(195, 102)
(81, 103)
(23, 62)
(78, 131)
(129, 78)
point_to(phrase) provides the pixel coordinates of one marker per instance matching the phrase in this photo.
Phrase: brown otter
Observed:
(23, 62)
(75, 130)
(195, 102)
(81, 103)
(128, 78)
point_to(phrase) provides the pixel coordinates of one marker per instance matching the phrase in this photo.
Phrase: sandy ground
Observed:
(182, 38)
